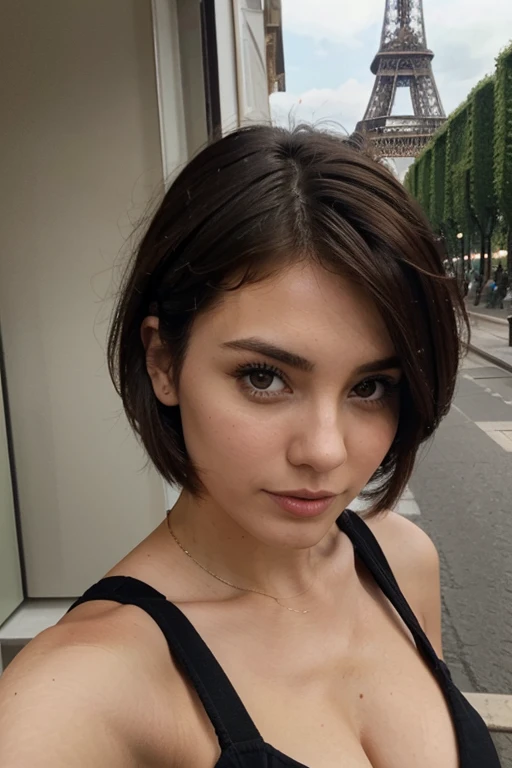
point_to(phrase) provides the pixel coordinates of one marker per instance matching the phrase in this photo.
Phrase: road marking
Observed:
(408, 508)
(407, 505)
(485, 388)
(499, 431)
(494, 426)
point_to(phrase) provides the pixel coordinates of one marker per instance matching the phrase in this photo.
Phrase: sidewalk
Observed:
(489, 335)
(481, 309)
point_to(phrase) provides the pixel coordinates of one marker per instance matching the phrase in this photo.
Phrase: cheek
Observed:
(223, 434)
(370, 438)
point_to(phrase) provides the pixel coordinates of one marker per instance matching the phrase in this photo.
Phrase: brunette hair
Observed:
(245, 207)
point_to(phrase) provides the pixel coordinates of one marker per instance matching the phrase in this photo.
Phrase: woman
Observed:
(286, 334)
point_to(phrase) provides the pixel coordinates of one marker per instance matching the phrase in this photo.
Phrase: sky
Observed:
(329, 46)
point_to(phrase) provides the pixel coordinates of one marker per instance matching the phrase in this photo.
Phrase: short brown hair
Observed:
(243, 208)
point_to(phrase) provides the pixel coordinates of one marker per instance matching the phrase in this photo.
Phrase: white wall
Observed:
(80, 157)
(251, 64)
(242, 63)
(226, 52)
(173, 136)
(11, 593)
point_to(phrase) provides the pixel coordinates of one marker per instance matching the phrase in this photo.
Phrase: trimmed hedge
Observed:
(463, 179)
(483, 197)
(503, 134)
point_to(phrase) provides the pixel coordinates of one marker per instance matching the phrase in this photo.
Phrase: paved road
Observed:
(463, 488)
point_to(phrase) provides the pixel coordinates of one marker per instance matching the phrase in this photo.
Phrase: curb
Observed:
(491, 358)
(488, 318)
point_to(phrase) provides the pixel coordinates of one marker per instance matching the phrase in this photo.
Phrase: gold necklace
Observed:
(229, 584)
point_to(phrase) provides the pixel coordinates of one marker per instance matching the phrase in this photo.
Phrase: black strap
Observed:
(474, 742)
(369, 551)
(223, 706)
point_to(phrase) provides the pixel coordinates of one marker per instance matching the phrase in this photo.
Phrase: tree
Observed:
(411, 179)
(457, 212)
(423, 171)
(503, 142)
(438, 183)
(482, 194)
(463, 179)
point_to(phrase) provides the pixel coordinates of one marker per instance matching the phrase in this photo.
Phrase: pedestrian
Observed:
(489, 289)
(478, 287)
(285, 334)
(501, 289)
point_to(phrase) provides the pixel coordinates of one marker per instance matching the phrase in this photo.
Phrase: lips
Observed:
(303, 503)
(305, 494)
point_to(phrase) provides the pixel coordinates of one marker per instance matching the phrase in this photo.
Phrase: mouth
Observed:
(304, 494)
(303, 503)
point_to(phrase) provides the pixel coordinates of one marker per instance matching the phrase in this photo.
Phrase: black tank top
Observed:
(240, 742)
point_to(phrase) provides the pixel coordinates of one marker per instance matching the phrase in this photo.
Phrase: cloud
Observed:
(466, 36)
(484, 26)
(340, 108)
(339, 21)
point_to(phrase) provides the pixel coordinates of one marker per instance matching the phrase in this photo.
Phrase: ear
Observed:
(158, 363)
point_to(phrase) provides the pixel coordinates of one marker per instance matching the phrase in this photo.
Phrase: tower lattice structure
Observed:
(403, 61)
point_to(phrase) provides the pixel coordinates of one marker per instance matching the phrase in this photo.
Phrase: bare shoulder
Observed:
(407, 547)
(85, 692)
(414, 560)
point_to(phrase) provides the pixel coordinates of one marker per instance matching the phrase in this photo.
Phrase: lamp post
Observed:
(460, 238)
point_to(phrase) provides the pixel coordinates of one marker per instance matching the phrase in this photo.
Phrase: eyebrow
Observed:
(301, 363)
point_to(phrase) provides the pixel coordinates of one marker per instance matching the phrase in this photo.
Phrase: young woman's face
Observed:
(289, 385)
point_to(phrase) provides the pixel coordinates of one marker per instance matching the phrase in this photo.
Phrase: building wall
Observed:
(250, 46)
(101, 100)
(192, 75)
(81, 157)
(226, 45)
(11, 592)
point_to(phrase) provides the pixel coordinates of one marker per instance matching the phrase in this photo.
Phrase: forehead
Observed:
(305, 308)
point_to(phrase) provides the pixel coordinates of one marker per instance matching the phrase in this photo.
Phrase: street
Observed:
(462, 485)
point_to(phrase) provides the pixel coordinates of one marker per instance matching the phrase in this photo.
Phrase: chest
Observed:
(395, 718)
(359, 698)
(374, 703)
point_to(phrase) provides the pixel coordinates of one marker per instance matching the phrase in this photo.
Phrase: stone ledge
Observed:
(31, 618)
(495, 708)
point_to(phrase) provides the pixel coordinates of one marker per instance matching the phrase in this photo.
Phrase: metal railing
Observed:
(400, 125)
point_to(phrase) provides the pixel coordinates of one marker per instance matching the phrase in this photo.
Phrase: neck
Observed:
(221, 546)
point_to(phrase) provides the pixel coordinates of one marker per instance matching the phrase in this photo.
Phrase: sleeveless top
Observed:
(240, 742)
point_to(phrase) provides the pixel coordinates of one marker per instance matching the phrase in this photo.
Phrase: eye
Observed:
(375, 390)
(369, 389)
(261, 380)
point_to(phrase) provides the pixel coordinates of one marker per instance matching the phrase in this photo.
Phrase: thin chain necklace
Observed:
(229, 584)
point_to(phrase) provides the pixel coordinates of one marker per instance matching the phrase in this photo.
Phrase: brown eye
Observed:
(261, 379)
(375, 391)
(367, 388)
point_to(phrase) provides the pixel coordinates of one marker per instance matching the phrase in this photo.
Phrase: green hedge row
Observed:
(463, 179)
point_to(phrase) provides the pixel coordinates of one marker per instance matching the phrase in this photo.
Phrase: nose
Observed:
(317, 440)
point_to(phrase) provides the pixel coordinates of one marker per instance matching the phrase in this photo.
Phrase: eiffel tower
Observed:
(403, 61)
